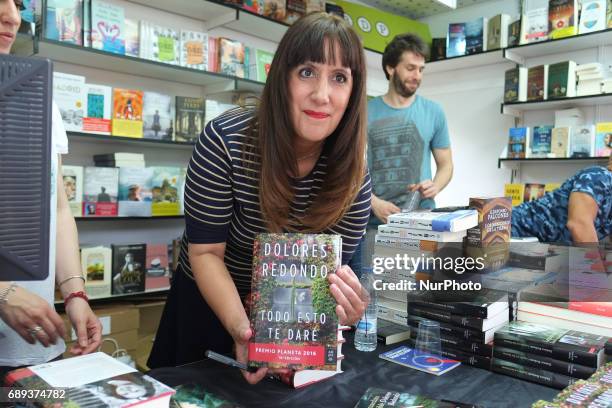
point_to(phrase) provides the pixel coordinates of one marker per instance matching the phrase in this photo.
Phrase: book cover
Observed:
(593, 392)
(456, 40)
(135, 195)
(73, 186)
(181, 192)
(157, 43)
(548, 187)
(158, 116)
(107, 31)
(380, 398)
(100, 191)
(64, 21)
(518, 142)
(96, 264)
(315, 6)
(274, 9)
(263, 62)
(99, 109)
(127, 113)
(515, 85)
(252, 5)
(541, 141)
(459, 320)
(485, 304)
(494, 221)
(189, 118)
(515, 192)
(603, 139)
(475, 31)
(534, 374)
(514, 33)
(497, 32)
(562, 80)
(582, 141)
(429, 363)
(436, 221)
(559, 141)
(92, 380)
(533, 191)
(592, 16)
(194, 49)
(196, 396)
(534, 24)
(293, 312)
(132, 37)
(71, 98)
(420, 234)
(438, 49)
(164, 188)
(536, 83)
(562, 18)
(128, 268)
(158, 274)
(231, 57)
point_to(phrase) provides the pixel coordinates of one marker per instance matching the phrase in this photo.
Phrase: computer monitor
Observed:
(25, 167)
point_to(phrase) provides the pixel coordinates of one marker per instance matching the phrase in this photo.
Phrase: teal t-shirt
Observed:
(399, 146)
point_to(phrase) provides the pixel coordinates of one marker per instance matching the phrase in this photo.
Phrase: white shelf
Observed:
(513, 163)
(517, 108)
(465, 61)
(596, 39)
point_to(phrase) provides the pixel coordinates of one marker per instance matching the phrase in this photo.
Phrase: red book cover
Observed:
(293, 313)
(157, 267)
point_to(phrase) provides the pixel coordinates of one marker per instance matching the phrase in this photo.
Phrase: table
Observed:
(361, 370)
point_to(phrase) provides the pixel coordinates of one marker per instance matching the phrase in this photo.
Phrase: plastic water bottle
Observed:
(365, 335)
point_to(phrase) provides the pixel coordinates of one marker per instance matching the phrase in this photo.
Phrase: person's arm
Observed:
(581, 213)
(219, 291)
(444, 173)
(67, 264)
(383, 209)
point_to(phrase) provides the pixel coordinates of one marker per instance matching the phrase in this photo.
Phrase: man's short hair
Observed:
(400, 44)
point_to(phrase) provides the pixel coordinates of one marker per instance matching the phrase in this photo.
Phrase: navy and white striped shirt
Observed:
(222, 202)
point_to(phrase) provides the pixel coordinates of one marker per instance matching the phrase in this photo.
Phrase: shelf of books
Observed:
(90, 57)
(104, 139)
(121, 218)
(465, 61)
(516, 108)
(594, 39)
(146, 295)
(540, 160)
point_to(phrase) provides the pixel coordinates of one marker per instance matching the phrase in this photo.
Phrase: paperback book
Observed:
(456, 40)
(70, 95)
(380, 398)
(436, 221)
(99, 109)
(158, 116)
(603, 139)
(158, 276)
(164, 188)
(96, 263)
(128, 268)
(72, 177)
(411, 358)
(541, 142)
(293, 312)
(100, 191)
(127, 113)
(189, 118)
(135, 191)
(194, 49)
(107, 32)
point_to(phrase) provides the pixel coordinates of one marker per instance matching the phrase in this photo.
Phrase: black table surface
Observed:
(361, 370)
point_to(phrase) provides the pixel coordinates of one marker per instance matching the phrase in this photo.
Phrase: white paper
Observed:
(77, 371)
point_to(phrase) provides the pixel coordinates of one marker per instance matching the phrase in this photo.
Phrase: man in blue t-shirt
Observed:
(404, 130)
(578, 212)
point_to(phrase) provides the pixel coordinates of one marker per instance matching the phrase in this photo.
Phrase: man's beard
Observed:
(401, 89)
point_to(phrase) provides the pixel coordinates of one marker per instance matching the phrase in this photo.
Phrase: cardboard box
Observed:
(150, 315)
(114, 319)
(127, 340)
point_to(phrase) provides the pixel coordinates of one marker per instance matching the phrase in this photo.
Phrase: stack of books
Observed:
(467, 323)
(546, 355)
(590, 78)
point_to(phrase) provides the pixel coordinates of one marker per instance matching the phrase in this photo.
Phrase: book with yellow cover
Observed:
(127, 113)
(515, 192)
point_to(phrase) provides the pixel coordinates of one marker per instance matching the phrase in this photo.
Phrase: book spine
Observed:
(455, 343)
(567, 352)
(539, 348)
(451, 330)
(539, 376)
(457, 308)
(463, 356)
(543, 362)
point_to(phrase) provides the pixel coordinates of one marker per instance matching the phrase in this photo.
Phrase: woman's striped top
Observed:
(222, 204)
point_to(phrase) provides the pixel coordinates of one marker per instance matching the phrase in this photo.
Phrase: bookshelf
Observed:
(132, 297)
(465, 61)
(520, 53)
(517, 108)
(105, 140)
(537, 160)
(119, 218)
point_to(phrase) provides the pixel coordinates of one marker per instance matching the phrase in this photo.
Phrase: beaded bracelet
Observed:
(73, 295)
(4, 294)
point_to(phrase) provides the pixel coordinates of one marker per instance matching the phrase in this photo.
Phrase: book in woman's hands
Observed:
(293, 313)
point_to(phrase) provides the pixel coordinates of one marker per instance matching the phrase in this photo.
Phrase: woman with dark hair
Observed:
(296, 163)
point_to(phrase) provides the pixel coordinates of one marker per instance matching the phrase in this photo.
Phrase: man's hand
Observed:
(346, 289)
(427, 188)
(32, 317)
(383, 209)
(86, 325)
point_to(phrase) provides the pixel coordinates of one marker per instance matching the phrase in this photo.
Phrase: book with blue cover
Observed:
(475, 33)
(429, 363)
(455, 40)
(541, 141)
(518, 143)
(436, 221)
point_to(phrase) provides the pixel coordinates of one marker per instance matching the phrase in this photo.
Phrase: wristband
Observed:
(71, 277)
(73, 295)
